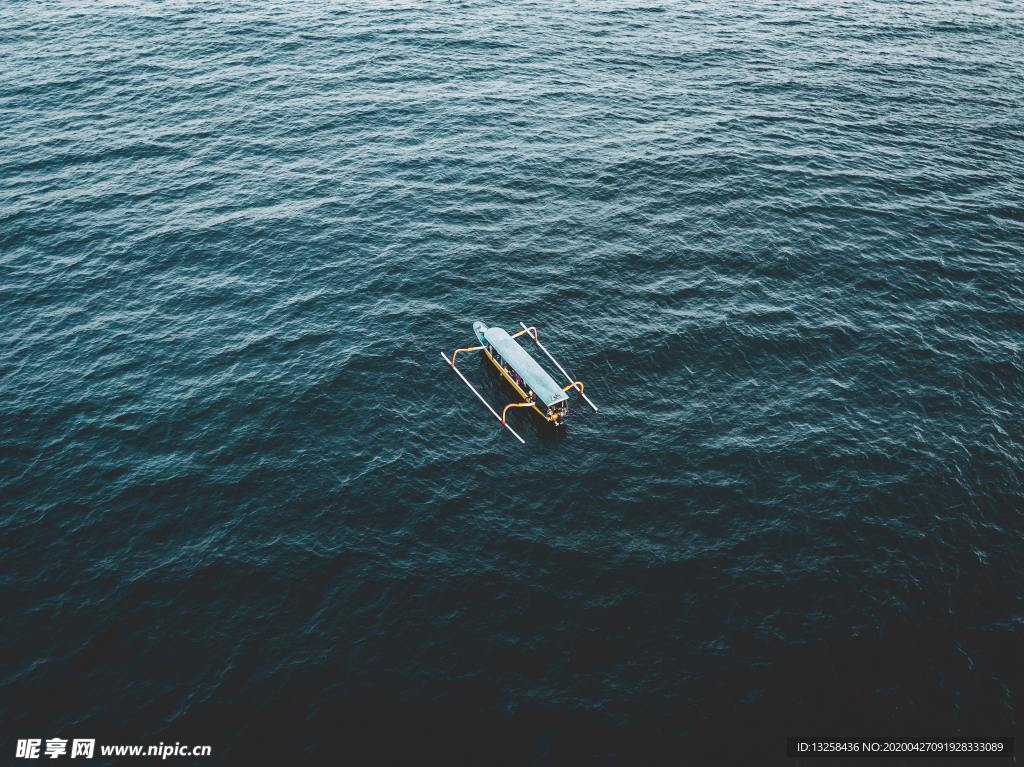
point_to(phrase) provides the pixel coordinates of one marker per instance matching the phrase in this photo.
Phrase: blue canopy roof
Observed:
(534, 376)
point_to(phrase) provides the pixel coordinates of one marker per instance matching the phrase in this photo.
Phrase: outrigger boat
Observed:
(536, 389)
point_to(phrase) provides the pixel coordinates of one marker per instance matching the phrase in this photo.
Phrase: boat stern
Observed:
(557, 412)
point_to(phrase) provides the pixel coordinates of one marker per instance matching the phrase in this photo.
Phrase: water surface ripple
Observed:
(244, 502)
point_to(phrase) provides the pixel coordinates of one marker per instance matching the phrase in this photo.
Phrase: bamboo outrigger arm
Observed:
(575, 385)
(451, 363)
(572, 383)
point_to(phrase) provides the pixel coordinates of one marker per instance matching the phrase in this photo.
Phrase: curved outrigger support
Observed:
(531, 331)
(467, 349)
(528, 403)
(535, 335)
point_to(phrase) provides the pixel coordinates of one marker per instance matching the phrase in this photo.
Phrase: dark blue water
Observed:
(245, 503)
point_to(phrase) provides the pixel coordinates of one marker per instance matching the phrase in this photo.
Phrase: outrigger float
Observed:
(535, 387)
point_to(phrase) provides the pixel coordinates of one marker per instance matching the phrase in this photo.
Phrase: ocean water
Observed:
(244, 502)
